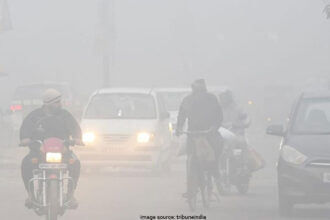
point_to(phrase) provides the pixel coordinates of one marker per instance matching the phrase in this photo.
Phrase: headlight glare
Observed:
(53, 157)
(144, 137)
(88, 137)
(291, 155)
(170, 127)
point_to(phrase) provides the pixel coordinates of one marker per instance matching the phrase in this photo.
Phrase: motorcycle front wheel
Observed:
(52, 200)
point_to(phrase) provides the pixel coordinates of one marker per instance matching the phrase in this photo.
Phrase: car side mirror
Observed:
(164, 115)
(276, 130)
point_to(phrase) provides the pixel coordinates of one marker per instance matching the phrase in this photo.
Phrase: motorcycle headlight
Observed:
(291, 155)
(144, 137)
(170, 127)
(54, 157)
(88, 137)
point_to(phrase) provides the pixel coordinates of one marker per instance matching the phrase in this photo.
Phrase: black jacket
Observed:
(202, 110)
(39, 126)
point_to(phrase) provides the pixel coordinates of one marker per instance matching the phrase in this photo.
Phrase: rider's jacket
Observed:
(38, 126)
(202, 110)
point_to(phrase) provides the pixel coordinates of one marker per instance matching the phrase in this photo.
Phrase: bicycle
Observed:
(199, 178)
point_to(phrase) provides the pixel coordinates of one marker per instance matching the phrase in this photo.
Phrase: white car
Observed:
(126, 128)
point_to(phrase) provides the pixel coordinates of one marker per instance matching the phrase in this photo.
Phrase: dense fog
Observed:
(264, 52)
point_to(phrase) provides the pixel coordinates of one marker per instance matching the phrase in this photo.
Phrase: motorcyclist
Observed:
(234, 118)
(237, 121)
(50, 120)
(203, 112)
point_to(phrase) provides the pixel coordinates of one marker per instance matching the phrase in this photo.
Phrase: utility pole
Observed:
(5, 23)
(107, 39)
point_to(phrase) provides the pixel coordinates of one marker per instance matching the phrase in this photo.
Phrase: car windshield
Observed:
(173, 100)
(36, 91)
(313, 117)
(121, 106)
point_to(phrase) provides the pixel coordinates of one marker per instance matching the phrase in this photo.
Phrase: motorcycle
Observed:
(49, 188)
(234, 169)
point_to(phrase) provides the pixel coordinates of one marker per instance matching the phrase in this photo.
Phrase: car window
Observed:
(312, 117)
(121, 106)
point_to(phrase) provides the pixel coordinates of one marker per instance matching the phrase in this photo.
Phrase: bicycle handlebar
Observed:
(198, 132)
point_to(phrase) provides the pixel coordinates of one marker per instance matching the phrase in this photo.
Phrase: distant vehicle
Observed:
(172, 99)
(276, 103)
(29, 97)
(304, 162)
(126, 128)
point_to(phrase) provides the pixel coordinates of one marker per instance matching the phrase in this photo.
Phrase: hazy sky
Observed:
(167, 42)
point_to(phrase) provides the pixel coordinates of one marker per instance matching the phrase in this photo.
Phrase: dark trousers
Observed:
(27, 168)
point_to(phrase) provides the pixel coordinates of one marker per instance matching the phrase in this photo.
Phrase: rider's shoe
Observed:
(72, 203)
(28, 203)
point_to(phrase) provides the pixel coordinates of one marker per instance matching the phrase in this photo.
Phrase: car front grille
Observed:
(115, 138)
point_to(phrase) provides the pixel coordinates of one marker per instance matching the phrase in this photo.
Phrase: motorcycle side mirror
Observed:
(276, 130)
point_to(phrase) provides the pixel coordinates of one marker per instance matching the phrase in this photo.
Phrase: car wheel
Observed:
(285, 204)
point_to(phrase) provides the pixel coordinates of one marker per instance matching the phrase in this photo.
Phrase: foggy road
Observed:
(128, 195)
(129, 77)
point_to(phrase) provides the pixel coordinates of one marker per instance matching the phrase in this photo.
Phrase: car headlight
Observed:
(291, 155)
(53, 157)
(144, 137)
(88, 137)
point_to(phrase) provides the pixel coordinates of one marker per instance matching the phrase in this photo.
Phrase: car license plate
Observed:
(326, 177)
(52, 166)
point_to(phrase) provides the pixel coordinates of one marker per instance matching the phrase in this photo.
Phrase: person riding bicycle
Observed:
(203, 112)
(48, 121)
